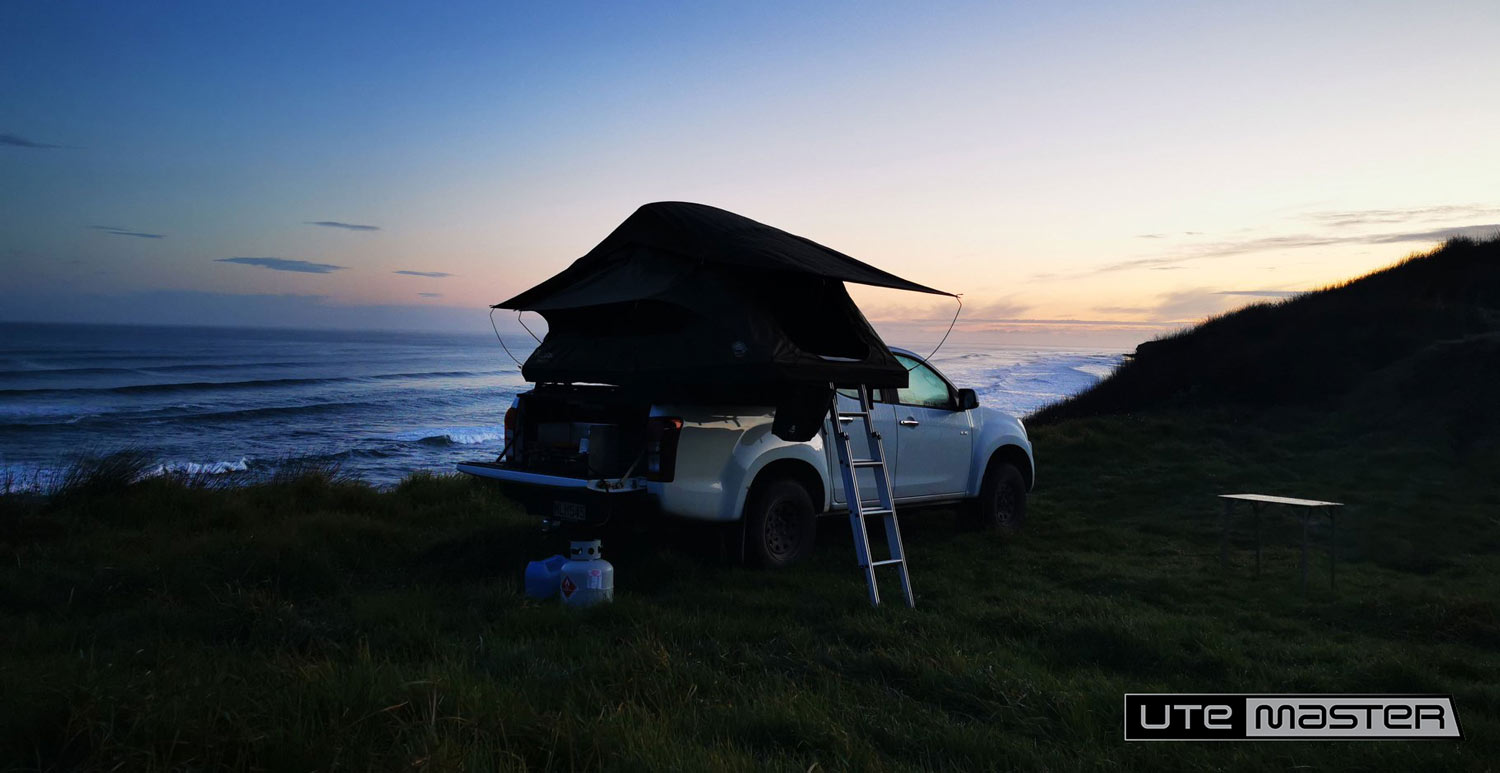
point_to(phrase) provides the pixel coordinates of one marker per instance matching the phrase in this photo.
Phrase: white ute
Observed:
(584, 454)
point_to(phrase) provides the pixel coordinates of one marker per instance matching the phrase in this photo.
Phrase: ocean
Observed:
(379, 405)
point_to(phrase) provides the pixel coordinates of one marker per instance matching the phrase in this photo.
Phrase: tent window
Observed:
(816, 317)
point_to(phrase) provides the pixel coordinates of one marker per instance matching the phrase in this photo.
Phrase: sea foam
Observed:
(459, 436)
(196, 468)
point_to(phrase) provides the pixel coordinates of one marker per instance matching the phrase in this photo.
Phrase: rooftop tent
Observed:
(711, 235)
(687, 297)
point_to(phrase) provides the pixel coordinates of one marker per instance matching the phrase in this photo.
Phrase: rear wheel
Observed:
(780, 524)
(1001, 505)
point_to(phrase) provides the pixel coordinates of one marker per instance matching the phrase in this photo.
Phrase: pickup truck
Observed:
(583, 454)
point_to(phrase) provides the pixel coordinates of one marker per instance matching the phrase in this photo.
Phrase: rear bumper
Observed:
(569, 500)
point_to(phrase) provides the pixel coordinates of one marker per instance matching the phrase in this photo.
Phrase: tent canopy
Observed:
(692, 300)
(706, 234)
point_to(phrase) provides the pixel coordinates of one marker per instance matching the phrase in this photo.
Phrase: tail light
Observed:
(662, 433)
(510, 432)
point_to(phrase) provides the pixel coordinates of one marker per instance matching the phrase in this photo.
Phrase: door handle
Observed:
(908, 422)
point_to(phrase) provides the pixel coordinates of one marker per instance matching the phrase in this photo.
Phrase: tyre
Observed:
(1001, 505)
(780, 524)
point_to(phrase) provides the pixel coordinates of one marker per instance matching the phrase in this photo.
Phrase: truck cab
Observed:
(585, 454)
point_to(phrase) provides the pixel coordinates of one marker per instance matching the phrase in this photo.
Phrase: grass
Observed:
(312, 622)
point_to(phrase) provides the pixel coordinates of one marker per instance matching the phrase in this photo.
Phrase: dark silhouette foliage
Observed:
(1319, 348)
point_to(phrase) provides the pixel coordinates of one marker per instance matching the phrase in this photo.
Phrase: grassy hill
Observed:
(313, 623)
(1424, 330)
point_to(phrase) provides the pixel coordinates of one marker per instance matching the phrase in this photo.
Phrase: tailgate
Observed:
(573, 500)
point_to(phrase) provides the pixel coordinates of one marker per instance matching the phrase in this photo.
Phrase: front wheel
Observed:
(1001, 505)
(780, 524)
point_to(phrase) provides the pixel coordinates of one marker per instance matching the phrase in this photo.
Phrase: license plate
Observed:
(569, 511)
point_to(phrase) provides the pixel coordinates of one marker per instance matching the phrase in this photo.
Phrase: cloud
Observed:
(1175, 307)
(109, 229)
(941, 313)
(1192, 304)
(1441, 234)
(1261, 293)
(1195, 304)
(920, 327)
(21, 142)
(430, 295)
(345, 226)
(998, 311)
(1226, 249)
(1150, 236)
(1115, 335)
(1352, 217)
(431, 274)
(1129, 310)
(285, 264)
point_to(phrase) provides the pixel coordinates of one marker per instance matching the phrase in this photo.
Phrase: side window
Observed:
(877, 396)
(854, 395)
(881, 395)
(924, 387)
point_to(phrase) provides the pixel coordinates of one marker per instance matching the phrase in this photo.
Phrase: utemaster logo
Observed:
(1243, 717)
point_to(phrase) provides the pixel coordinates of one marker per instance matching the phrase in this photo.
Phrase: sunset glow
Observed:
(1100, 169)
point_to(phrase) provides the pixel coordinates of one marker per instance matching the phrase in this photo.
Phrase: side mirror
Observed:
(967, 399)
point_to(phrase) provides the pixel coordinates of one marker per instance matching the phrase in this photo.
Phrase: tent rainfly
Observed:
(695, 302)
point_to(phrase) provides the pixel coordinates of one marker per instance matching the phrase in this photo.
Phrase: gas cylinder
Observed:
(543, 577)
(587, 578)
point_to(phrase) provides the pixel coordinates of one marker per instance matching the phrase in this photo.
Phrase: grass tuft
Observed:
(97, 475)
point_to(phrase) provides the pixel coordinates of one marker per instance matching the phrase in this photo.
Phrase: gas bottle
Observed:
(587, 578)
(544, 576)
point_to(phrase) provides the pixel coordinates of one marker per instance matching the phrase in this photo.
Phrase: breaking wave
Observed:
(453, 436)
(35, 479)
(195, 468)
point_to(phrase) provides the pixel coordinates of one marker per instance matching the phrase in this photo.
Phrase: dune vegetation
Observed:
(311, 622)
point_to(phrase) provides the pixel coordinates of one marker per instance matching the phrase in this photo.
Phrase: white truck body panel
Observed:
(938, 455)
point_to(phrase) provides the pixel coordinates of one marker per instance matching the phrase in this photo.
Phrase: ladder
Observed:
(884, 507)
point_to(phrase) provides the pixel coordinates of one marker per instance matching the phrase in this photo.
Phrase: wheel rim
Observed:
(781, 530)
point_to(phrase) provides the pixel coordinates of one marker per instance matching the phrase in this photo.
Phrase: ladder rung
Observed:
(854, 413)
(868, 463)
(876, 511)
(889, 561)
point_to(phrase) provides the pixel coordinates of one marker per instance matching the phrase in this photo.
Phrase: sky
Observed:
(1083, 173)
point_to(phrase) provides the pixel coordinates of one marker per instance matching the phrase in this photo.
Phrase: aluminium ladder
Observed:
(884, 507)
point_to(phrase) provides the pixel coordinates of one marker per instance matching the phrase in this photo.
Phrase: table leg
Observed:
(1224, 534)
(1333, 560)
(1304, 552)
(1256, 509)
